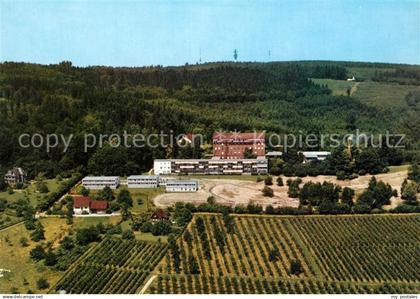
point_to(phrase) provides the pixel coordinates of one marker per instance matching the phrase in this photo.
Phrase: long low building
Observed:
(211, 166)
(100, 182)
(143, 181)
(315, 156)
(181, 186)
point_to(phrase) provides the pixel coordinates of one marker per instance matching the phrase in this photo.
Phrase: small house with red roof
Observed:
(85, 205)
(81, 205)
(159, 215)
(98, 206)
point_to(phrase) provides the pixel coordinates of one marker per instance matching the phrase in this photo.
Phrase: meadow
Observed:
(14, 257)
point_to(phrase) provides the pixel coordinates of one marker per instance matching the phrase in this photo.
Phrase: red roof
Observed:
(160, 214)
(98, 205)
(81, 202)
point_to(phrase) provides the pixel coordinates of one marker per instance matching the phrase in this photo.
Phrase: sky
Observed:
(175, 32)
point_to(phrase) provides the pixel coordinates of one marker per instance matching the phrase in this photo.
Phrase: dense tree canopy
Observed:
(63, 99)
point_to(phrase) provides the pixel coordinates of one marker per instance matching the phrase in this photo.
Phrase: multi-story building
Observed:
(162, 166)
(182, 186)
(100, 182)
(15, 176)
(143, 181)
(233, 145)
(211, 166)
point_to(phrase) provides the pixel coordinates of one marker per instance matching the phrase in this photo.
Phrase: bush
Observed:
(128, 234)
(146, 227)
(280, 181)
(301, 171)
(341, 175)
(37, 253)
(162, 228)
(267, 191)
(296, 267)
(404, 208)
(268, 181)
(42, 284)
(23, 242)
(361, 208)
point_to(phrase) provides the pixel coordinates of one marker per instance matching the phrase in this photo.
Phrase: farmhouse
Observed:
(98, 206)
(15, 176)
(159, 215)
(211, 166)
(315, 156)
(143, 181)
(233, 145)
(84, 205)
(182, 186)
(81, 205)
(100, 182)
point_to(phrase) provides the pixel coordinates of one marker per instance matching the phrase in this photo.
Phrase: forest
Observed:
(277, 97)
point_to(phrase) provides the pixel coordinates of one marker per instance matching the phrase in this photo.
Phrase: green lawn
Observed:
(338, 87)
(30, 192)
(143, 236)
(149, 237)
(146, 195)
(393, 169)
(365, 73)
(383, 95)
(83, 222)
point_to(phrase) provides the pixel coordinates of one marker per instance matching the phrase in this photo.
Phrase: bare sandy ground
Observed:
(242, 192)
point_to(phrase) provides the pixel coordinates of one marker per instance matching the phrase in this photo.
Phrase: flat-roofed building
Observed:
(164, 179)
(143, 181)
(181, 186)
(100, 182)
(315, 156)
(215, 166)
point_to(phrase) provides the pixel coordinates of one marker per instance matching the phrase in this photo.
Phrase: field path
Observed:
(148, 283)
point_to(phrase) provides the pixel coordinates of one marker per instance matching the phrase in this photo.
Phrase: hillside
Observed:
(278, 97)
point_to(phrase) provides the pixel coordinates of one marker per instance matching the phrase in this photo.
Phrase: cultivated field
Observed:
(114, 266)
(337, 254)
(234, 192)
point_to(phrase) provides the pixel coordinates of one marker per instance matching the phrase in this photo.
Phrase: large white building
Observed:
(100, 182)
(211, 166)
(181, 186)
(143, 181)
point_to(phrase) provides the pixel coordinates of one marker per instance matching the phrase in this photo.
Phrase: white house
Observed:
(181, 186)
(100, 182)
(143, 181)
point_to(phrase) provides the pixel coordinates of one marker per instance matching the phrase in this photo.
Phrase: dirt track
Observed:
(241, 192)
